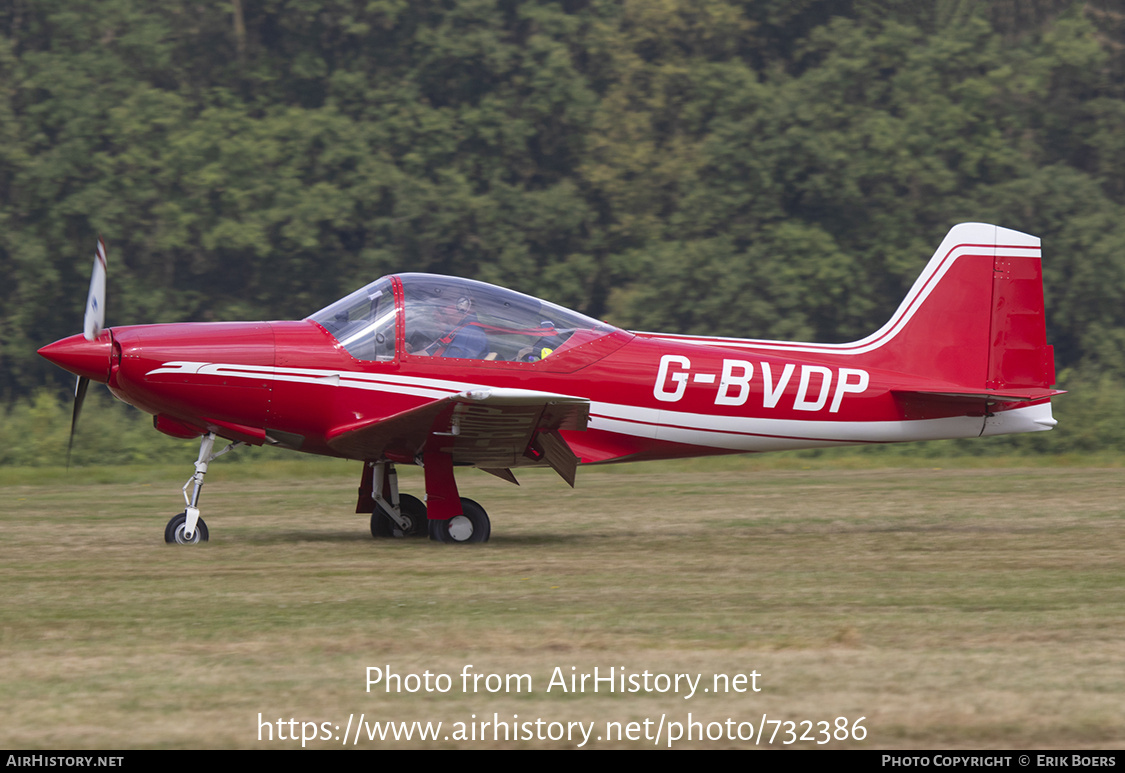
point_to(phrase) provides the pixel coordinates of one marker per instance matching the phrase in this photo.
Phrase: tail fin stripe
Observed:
(929, 279)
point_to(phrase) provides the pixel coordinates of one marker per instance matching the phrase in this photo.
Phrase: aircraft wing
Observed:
(491, 428)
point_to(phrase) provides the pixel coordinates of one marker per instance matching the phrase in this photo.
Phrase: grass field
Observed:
(949, 608)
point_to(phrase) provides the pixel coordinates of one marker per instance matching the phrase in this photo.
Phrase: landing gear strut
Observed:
(412, 511)
(394, 514)
(188, 528)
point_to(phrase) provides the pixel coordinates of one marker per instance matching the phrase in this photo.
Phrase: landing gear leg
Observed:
(394, 514)
(188, 528)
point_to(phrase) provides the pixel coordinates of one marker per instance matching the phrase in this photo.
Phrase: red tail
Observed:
(974, 318)
(972, 325)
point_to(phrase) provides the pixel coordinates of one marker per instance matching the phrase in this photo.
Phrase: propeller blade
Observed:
(80, 387)
(94, 320)
(92, 323)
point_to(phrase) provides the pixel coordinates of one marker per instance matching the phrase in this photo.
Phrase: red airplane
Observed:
(444, 373)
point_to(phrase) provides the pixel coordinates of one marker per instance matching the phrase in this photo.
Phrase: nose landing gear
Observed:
(188, 528)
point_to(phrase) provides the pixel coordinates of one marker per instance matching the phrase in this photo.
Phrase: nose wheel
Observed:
(175, 531)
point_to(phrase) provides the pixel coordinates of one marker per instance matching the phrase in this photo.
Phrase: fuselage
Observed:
(292, 384)
(965, 355)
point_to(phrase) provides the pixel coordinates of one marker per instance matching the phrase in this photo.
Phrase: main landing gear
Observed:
(402, 515)
(188, 528)
(392, 514)
(411, 521)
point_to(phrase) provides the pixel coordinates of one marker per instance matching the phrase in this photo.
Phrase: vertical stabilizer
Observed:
(972, 324)
(974, 318)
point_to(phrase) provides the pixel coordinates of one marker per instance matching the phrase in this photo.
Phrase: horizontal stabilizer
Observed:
(992, 395)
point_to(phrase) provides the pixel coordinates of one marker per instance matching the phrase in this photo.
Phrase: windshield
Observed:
(363, 322)
(450, 317)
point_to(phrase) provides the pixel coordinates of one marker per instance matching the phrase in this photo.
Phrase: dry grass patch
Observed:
(951, 608)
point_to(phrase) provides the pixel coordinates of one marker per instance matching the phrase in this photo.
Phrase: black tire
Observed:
(471, 526)
(413, 510)
(174, 531)
(381, 526)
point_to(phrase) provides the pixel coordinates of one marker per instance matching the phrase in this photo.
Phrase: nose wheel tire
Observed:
(471, 526)
(174, 531)
(413, 512)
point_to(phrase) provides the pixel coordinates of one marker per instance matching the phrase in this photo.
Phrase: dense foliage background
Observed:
(765, 168)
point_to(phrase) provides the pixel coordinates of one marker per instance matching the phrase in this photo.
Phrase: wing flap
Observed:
(557, 454)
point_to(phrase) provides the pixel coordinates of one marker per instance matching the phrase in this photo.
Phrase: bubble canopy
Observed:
(450, 317)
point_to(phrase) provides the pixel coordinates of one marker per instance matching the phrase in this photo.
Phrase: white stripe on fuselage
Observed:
(408, 385)
(736, 433)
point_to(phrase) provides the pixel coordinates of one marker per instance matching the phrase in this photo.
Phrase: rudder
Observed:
(1019, 355)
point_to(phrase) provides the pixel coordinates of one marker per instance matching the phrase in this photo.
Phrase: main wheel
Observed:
(381, 525)
(174, 531)
(471, 526)
(413, 512)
